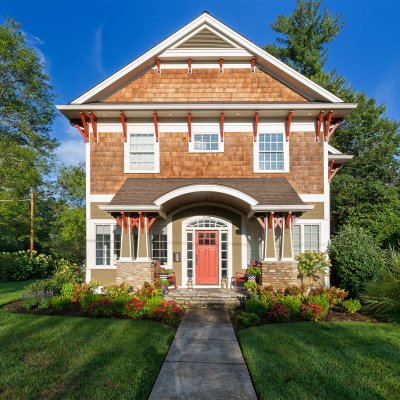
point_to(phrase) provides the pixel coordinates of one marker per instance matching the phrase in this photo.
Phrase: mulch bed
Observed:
(74, 311)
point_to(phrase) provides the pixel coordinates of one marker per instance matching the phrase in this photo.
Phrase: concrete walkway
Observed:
(204, 361)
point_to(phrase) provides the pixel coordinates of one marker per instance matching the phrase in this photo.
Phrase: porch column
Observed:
(287, 238)
(269, 241)
(125, 240)
(143, 239)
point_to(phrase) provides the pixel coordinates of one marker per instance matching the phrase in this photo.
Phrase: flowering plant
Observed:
(134, 308)
(100, 308)
(278, 313)
(146, 292)
(167, 311)
(312, 312)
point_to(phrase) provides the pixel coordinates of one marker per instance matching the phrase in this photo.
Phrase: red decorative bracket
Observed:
(221, 65)
(332, 171)
(261, 222)
(333, 128)
(93, 121)
(141, 219)
(124, 222)
(158, 66)
(150, 222)
(124, 128)
(221, 125)
(253, 64)
(288, 123)
(189, 122)
(320, 120)
(189, 61)
(271, 221)
(278, 222)
(119, 222)
(328, 125)
(288, 220)
(155, 120)
(82, 132)
(134, 222)
(255, 128)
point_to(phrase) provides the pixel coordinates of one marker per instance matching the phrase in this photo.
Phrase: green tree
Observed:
(373, 174)
(26, 148)
(68, 230)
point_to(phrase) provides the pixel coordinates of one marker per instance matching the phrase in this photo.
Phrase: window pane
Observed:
(206, 141)
(103, 244)
(141, 155)
(296, 239)
(270, 152)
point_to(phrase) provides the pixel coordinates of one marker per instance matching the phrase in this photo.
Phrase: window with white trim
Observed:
(159, 242)
(117, 242)
(142, 152)
(206, 142)
(255, 240)
(103, 245)
(306, 237)
(270, 152)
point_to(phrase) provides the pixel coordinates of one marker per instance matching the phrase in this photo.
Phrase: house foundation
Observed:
(134, 273)
(279, 274)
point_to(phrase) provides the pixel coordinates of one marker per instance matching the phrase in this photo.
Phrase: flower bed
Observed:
(92, 300)
(293, 304)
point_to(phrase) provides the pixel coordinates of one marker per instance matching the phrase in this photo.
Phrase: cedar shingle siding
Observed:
(204, 85)
(306, 161)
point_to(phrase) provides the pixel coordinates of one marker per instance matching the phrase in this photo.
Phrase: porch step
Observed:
(208, 298)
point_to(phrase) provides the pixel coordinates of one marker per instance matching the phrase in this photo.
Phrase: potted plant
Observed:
(165, 273)
(252, 273)
(164, 283)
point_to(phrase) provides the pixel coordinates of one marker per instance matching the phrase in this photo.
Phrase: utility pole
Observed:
(32, 223)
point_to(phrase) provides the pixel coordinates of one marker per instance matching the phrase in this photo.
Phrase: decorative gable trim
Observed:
(205, 39)
(264, 59)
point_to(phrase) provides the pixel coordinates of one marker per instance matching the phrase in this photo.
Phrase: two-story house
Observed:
(205, 153)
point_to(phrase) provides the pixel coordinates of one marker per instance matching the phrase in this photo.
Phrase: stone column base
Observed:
(134, 272)
(279, 274)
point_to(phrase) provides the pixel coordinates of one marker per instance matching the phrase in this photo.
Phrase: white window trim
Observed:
(273, 127)
(185, 229)
(147, 128)
(211, 128)
(302, 224)
(113, 262)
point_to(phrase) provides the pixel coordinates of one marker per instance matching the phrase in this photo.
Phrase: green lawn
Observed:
(324, 360)
(11, 291)
(47, 357)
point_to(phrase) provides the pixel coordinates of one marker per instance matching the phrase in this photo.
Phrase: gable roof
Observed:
(214, 32)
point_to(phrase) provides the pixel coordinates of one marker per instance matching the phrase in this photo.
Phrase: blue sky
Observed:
(83, 42)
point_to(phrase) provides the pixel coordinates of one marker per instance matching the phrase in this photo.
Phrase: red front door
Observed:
(207, 258)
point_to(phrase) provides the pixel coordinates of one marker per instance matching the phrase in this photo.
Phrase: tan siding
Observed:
(104, 276)
(204, 85)
(316, 213)
(96, 213)
(306, 161)
(214, 211)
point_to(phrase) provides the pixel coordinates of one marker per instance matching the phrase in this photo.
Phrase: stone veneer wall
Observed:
(134, 273)
(279, 274)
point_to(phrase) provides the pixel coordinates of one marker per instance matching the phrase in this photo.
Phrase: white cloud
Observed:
(71, 151)
(34, 42)
(98, 51)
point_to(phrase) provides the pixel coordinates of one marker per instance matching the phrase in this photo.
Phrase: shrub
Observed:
(146, 292)
(278, 313)
(294, 290)
(383, 295)
(312, 312)
(117, 291)
(67, 289)
(134, 308)
(100, 308)
(251, 287)
(333, 295)
(253, 271)
(319, 300)
(356, 259)
(292, 305)
(254, 306)
(89, 298)
(82, 289)
(167, 311)
(312, 263)
(32, 299)
(61, 302)
(351, 305)
(246, 319)
(119, 305)
(68, 272)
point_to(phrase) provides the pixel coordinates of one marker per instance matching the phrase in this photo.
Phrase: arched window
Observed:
(207, 223)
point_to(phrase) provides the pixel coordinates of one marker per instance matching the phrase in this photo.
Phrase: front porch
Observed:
(208, 298)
